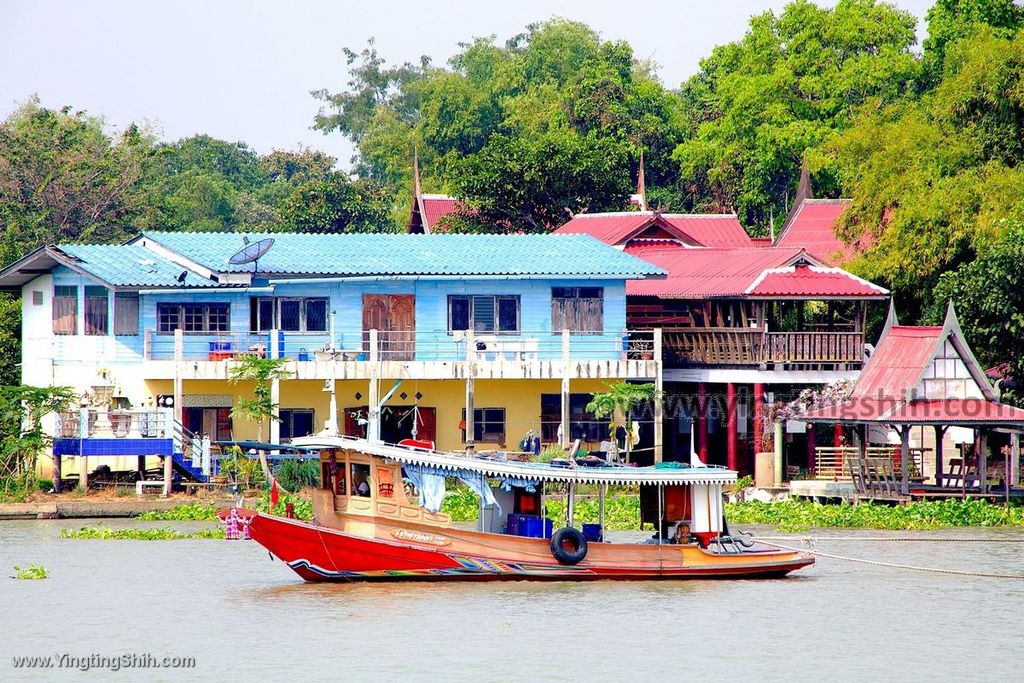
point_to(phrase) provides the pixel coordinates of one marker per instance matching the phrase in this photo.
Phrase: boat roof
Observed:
(491, 466)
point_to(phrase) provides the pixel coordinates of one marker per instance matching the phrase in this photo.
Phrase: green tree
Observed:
(262, 372)
(990, 303)
(22, 434)
(621, 399)
(336, 204)
(794, 79)
(952, 20)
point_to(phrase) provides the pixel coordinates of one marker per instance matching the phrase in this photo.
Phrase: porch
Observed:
(725, 346)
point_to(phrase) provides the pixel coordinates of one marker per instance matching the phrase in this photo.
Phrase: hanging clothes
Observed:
(634, 436)
(429, 481)
(478, 485)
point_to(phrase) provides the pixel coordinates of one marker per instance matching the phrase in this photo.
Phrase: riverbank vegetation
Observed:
(796, 515)
(106, 533)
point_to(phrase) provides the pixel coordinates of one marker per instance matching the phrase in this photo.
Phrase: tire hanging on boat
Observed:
(569, 546)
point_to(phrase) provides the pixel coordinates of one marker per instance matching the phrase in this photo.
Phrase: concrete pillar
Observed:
(758, 426)
(812, 450)
(564, 405)
(373, 395)
(83, 473)
(982, 451)
(140, 467)
(904, 459)
(168, 475)
(659, 416)
(837, 439)
(731, 435)
(56, 474)
(275, 389)
(940, 431)
(1014, 459)
(778, 453)
(179, 389)
(470, 420)
(702, 421)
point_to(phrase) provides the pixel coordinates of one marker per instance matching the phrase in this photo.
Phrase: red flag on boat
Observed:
(273, 494)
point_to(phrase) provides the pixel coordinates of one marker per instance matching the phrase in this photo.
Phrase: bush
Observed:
(294, 475)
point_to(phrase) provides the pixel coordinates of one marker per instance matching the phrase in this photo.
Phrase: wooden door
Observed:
(394, 317)
(352, 426)
(426, 430)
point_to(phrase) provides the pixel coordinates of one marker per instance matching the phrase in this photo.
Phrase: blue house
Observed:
(465, 340)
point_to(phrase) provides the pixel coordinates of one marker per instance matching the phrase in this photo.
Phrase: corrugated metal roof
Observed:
(896, 365)
(128, 265)
(705, 273)
(363, 254)
(813, 282)
(707, 230)
(437, 206)
(814, 229)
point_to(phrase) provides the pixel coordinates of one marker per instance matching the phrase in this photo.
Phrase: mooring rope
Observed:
(906, 539)
(893, 565)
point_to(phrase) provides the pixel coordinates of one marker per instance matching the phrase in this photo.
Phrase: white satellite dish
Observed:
(251, 252)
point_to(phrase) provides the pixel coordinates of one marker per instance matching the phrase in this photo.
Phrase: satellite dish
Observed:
(251, 252)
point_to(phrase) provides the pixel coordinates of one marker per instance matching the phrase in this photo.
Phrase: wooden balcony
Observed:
(738, 346)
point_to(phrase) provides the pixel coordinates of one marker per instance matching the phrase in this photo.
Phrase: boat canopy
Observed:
(495, 465)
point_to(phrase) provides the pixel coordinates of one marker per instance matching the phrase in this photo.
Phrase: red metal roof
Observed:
(813, 228)
(437, 206)
(711, 230)
(896, 365)
(707, 230)
(802, 281)
(964, 411)
(700, 273)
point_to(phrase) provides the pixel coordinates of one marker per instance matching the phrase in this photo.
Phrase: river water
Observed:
(245, 617)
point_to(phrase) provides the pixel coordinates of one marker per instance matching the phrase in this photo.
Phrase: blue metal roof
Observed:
(390, 254)
(129, 265)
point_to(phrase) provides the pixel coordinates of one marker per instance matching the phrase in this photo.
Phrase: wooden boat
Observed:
(366, 528)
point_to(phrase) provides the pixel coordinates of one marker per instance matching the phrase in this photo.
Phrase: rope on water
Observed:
(906, 539)
(893, 565)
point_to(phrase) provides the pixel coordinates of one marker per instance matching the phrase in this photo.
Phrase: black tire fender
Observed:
(569, 546)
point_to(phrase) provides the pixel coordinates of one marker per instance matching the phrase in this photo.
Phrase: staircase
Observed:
(188, 454)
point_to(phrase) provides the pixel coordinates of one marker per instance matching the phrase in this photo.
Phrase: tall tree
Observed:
(794, 79)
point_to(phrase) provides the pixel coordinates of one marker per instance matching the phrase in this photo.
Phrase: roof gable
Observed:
(908, 356)
(812, 225)
(701, 230)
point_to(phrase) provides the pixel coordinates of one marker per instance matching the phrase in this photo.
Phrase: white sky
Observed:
(244, 70)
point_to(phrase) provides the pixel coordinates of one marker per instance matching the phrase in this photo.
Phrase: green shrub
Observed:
(162, 534)
(33, 572)
(294, 475)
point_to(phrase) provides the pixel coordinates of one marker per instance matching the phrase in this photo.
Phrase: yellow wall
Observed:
(519, 398)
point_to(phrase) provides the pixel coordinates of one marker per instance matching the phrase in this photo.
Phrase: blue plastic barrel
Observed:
(592, 532)
(512, 525)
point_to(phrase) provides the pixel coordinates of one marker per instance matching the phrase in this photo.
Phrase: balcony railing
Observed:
(744, 346)
(114, 424)
(405, 345)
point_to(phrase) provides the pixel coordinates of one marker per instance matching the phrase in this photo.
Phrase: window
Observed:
(296, 422)
(97, 311)
(126, 313)
(360, 480)
(488, 425)
(289, 314)
(193, 318)
(65, 310)
(582, 425)
(37, 297)
(577, 309)
(486, 314)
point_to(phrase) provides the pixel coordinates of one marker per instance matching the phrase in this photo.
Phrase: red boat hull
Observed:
(319, 553)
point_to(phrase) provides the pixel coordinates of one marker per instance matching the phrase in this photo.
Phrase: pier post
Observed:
(1014, 459)
(731, 421)
(940, 432)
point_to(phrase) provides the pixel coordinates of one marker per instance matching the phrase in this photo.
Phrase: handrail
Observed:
(755, 346)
